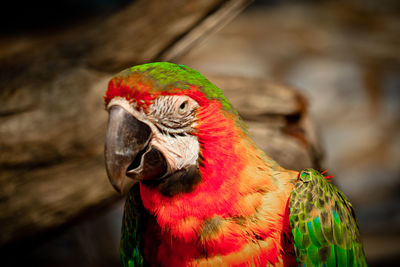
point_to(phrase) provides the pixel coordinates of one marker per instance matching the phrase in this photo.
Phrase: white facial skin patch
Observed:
(172, 120)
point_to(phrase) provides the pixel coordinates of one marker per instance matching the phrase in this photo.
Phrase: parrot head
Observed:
(165, 120)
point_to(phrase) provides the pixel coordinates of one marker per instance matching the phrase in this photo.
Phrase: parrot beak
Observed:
(128, 155)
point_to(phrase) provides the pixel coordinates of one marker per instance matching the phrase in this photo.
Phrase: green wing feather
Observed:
(131, 240)
(323, 223)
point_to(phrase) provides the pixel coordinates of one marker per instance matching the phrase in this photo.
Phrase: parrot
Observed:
(199, 192)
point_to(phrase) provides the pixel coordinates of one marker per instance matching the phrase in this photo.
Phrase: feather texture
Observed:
(323, 223)
(239, 208)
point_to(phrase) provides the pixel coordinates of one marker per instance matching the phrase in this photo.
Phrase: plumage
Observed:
(324, 227)
(200, 192)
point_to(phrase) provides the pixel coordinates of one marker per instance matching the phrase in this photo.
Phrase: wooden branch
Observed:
(220, 17)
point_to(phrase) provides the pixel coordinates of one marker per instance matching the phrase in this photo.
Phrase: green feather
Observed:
(169, 75)
(313, 236)
(324, 228)
(331, 262)
(317, 229)
(350, 256)
(131, 241)
(337, 231)
(313, 255)
(341, 256)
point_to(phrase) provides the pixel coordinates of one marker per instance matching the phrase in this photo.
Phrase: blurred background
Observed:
(341, 58)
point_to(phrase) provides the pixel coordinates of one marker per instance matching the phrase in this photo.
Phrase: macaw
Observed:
(201, 193)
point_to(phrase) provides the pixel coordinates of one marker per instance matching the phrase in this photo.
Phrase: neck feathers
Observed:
(239, 206)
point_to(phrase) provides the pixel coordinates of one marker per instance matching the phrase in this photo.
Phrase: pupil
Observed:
(183, 105)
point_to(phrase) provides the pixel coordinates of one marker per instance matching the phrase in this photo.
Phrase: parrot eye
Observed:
(183, 107)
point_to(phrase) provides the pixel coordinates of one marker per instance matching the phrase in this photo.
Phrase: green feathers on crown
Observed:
(172, 75)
